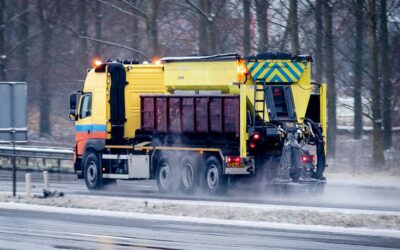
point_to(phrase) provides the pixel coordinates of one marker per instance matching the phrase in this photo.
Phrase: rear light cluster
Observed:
(307, 158)
(233, 159)
(254, 139)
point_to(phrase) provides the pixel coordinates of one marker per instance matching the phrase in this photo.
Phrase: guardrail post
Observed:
(46, 180)
(28, 185)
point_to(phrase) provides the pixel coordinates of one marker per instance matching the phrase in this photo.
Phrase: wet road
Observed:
(335, 196)
(41, 230)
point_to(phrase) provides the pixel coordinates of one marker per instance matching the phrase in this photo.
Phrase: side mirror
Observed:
(72, 101)
(73, 115)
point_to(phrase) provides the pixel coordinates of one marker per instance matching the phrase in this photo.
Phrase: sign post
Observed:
(13, 124)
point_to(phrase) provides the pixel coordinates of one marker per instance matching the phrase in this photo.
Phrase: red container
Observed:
(190, 114)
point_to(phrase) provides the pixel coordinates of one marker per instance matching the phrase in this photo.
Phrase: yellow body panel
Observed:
(207, 75)
(323, 114)
(142, 79)
(301, 93)
(243, 125)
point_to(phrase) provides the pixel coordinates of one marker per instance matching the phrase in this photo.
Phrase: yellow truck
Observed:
(201, 122)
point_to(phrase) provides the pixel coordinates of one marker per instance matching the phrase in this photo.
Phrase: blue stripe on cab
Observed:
(91, 127)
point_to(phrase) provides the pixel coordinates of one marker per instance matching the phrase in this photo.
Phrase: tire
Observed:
(190, 175)
(92, 172)
(164, 175)
(214, 181)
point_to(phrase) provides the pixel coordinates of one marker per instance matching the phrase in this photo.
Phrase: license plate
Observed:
(236, 165)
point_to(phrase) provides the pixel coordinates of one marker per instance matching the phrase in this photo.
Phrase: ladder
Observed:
(259, 99)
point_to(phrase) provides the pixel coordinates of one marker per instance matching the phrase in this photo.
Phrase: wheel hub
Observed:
(164, 174)
(212, 177)
(92, 172)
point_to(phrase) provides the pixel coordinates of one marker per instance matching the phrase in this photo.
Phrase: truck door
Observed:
(84, 124)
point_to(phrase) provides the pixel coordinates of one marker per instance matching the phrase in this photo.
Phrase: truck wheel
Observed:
(92, 172)
(164, 175)
(190, 175)
(214, 179)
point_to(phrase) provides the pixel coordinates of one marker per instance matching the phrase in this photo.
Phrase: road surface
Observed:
(335, 196)
(42, 230)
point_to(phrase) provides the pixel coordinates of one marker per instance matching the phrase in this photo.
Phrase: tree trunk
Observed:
(3, 57)
(99, 17)
(262, 24)
(378, 156)
(23, 34)
(44, 83)
(135, 30)
(203, 36)
(246, 27)
(330, 77)
(206, 6)
(83, 32)
(358, 68)
(387, 85)
(293, 27)
(152, 29)
(319, 31)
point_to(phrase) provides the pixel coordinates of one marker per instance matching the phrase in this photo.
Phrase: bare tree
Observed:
(83, 32)
(3, 57)
(152, 28)
(319, 31)
(44, 86)
(99, 18)
(330, 76)
(262, 24)
(358, 67)
(246, 26)
(378, 156)
(387, 85)
(135, 30)
(208, 12)
(293, 27)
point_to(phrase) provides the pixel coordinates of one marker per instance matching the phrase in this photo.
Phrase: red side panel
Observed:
(190, 114)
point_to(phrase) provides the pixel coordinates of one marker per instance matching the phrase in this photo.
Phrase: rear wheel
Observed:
(92, 171)
(164, 175)
(190, 175)
(214, 179)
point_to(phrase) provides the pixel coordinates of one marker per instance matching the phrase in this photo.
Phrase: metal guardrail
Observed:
(37, 152)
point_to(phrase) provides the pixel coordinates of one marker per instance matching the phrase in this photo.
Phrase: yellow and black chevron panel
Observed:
(276, 71)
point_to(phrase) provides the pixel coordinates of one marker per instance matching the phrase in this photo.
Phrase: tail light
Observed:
(307, 158)
(256, 136)
(252, 145)
(233, 159)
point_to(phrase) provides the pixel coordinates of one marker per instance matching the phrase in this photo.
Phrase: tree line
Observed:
(354, 43)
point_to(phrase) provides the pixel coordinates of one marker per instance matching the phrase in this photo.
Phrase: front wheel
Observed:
(214, 179)
(92, 172)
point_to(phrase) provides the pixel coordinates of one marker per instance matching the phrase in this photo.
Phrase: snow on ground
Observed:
(256, 213)
(390, 179)
(209, 221)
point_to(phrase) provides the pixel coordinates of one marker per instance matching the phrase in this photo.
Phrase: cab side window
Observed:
(86, 106)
